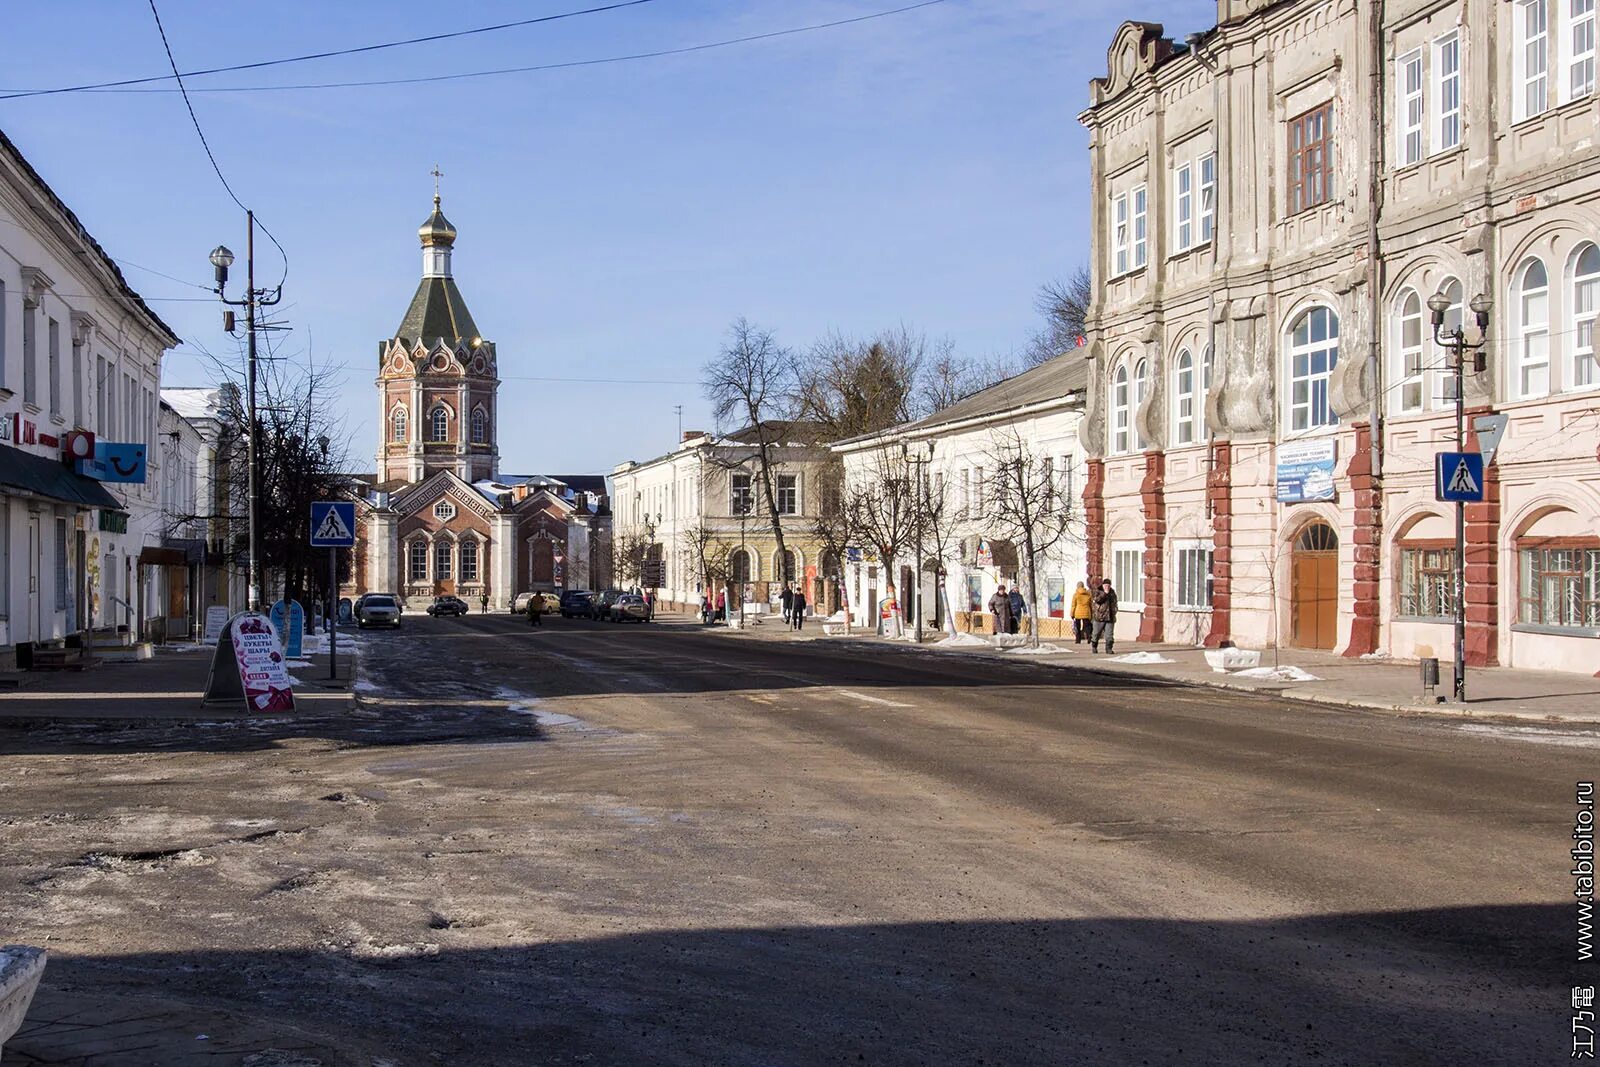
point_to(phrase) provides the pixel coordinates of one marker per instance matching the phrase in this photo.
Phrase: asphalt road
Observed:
(645, 844)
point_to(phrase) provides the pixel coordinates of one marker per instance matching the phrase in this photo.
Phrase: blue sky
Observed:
(925, 168)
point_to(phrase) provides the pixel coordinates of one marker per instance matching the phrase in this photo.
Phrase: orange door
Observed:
(1314, 600)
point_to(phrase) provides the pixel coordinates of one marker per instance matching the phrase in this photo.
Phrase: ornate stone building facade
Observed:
(439, 518)
(1276, 201)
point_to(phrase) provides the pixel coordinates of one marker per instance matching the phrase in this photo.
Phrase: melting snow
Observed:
(1281, 674)
(1042, 650)
(1141, 657)
(964, 641)
(1535, 734)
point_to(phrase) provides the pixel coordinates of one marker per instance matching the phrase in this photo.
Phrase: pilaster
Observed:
(1219, 502)
(1366, 494)
(1153, 495)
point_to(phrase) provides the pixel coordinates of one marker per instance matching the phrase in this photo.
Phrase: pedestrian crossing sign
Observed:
(1458, 476)
(333, 524)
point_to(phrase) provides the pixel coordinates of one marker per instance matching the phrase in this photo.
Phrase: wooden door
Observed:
(1314, 589)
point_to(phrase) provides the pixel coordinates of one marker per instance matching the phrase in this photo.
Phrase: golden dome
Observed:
(437, 230)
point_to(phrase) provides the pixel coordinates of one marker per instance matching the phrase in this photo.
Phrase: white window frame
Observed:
(1185, 554)
(1141, 389)
(1207, 191)
(1183, 228)
(1120, 243)
(1183, 396)
(1578, 45)
(399, 423)
(1409, 375)
(1447, 86)
(1585, 315)
(443, 561)
(1533, 331)
(439, 430)
(1531, 59)
(1130, 594)
(738, 494)
(1410, 108)
(1303, 413)
(411, 561)
(1120, 416)
(1141, 226)
(444, 510)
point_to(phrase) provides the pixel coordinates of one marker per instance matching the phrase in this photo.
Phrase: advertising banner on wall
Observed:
(1305, 470)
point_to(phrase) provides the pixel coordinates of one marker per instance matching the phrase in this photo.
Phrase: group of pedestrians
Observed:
(794, 606)
(1007, 609)
(1094, 615)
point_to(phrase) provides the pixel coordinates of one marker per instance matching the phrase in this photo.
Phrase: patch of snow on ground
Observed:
(964, 641)
(1141, 657)
(297, 663)
(521, 704)
(364, 686)
(1282, 674)
(1535, 734)
(1042, 650)
(1376, 655)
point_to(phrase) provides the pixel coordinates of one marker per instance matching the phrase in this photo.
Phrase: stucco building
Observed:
(1276, 199)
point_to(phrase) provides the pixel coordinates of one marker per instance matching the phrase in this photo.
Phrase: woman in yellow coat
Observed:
(1082, 604)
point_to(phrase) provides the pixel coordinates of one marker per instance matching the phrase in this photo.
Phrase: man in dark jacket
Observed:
(1019, 608)
(786, 598)
(1000, 608)
(1103, 612)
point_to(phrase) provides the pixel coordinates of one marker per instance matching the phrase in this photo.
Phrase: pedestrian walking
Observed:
(1104, 613)
(1000, 608)
(1082, 605)
(722, 605)
(1019, 608)
(650, 604)
(797, 609)
(786, 598)
(705, 610)
(536, 610)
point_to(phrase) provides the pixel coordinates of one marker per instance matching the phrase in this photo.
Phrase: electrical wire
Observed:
(603, 60)
(318, 55)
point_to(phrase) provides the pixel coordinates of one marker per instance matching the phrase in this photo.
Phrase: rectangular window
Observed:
(1182, 207)
(1127, 573)
(30, 342)
(441, 561)
(419, 561)
(1408, 113)
(1193, 560)
(1141, 243)
(1447, 92)
(53, 353)
(1208, 197)
(77, 385)
(1427, 587)
(62, 585)
(740, 496)
(1585, 311)
(1311, 159)
(1119, 235)
(469, 561)
(1533, 57)
(788, 494)
(100, 397)
(977, 488)
(1580, 49)
(1070, 492)
(1560, 587)
(966, 490)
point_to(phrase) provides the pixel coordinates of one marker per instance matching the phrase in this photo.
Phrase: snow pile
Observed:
(364, 686)
(1140, 657)
(1041, 650)
(1376, 655)
(1278, 674)
(963, 641)
(297, 663)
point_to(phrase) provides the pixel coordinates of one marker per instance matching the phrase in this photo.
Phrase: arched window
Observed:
(1183, 399)
(1585, 305)
(788, 565)
(739, 566)
(439, 424)
(1410, 390)
(1533, 330)
(397, 423)
(1119, 409)
(1141, 388)
(469, 561)
(480, 426)
(441, 560)
(1205, 391)
(1313, 353)
(418, 570)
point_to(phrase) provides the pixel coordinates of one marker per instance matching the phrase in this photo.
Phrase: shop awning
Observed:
(163, 557)
(46, 477)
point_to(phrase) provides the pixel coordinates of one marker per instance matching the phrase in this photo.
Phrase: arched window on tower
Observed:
(439, 424)
(397, 422)
(480, 426)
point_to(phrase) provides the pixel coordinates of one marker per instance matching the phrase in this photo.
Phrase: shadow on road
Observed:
(1480, 985)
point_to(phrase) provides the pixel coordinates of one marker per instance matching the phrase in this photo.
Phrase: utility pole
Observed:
(1458, 345)
(254, 300)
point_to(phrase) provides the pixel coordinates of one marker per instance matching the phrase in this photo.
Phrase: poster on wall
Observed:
(249, 665)
(974, 592)
(1305, 470)
(1057, 597)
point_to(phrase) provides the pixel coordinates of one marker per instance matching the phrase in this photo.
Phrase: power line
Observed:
(321, 55)
(537, 67)
(596, 381)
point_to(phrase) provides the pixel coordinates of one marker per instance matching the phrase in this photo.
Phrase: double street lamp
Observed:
(1455, 341)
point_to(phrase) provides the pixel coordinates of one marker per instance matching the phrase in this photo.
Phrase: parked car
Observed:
(519, 603)
(447, 605)
(629, 606)
(377, 609)
(574, 604)
(600, 606)
(552, 602)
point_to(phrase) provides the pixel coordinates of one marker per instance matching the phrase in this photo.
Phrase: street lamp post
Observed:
(1456, 342)
(254, 299)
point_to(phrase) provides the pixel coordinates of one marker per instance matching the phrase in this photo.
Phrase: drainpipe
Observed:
(1194, 41)
(1374, 265)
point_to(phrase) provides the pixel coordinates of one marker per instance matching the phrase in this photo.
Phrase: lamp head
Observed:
(1481, 306)
(1438, 304)
(221, 259)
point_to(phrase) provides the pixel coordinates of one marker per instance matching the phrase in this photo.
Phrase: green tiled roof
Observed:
(437, 311)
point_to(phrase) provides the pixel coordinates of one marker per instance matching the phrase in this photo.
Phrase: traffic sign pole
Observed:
(333, 614)
(333, 526)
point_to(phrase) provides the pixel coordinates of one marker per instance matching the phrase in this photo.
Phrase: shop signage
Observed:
(79, 444)
(115, 461)
(216, 622)
(249, 665)
(23, 431)
(113, 521)
(1305, 470)
(291, 630)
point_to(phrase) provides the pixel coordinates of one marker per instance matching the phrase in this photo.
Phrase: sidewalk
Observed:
(1378, 684)
(169, 686)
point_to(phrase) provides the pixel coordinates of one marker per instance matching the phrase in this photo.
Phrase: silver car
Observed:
(378, 609)
(629, 606)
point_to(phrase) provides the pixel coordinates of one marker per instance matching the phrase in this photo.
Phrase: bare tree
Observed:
(1027, 509)
(709, 555)
(880, 509)
(1065, 307)
(630, 548)
(753, 382)
(848, 388)
(935, 525)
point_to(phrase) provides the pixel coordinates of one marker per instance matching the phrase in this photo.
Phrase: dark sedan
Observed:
(447, 605)
(575, 604)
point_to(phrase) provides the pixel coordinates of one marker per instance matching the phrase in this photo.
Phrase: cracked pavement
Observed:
(660, 845)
